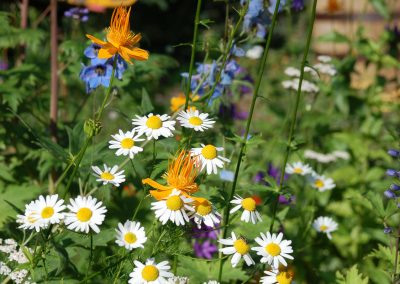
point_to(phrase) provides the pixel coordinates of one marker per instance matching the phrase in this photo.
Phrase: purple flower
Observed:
(297, 5)
(388, 230)
(391, 172)
(80, 14)
(389, 194)
(395, 187)
(272, 5)
(255, 18)
(282, 199)
(394, 153)
(205, 249)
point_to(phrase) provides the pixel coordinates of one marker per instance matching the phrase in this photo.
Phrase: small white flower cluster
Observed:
(178, 280)
(324, 66)
(326, 158)
(316, 180)
(14, 254)
(306, 86)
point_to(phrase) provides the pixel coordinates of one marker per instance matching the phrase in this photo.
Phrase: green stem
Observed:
(260, 73)
(90, 258)
(89, 138)
(295, 110)
(175, 264)
(195, 32)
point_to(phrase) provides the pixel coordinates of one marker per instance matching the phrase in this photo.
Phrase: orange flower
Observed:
(179, 101)
(181, 175)
(120, 39)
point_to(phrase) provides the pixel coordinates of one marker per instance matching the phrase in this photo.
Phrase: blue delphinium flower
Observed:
(394, 188)
(96, 75)
(272, 5)
(255, 18)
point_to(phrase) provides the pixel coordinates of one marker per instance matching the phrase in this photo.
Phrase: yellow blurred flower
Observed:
(178, 101)
(120, 39)
(333, 6)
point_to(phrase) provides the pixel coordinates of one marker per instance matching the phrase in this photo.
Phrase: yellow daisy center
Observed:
(209, 152)
(107, 176)
(241, 246)
(273, 249)
(195, 120)
(298, 170)
(47, 212)
(319, 183)
(150, 273)
(284, 278)
(249, 204)
(84, 214)
(154, 122)
(130, 238)
(127, 143)
(323, 228)
(204, 209)
(174, 203)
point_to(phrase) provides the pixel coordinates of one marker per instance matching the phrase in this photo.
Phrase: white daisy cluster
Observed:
(326, 158)
(85, 213)
(317, 181)
(306, 86)
(273, 249)
(178, 280)
(15, 257)
(179, 209)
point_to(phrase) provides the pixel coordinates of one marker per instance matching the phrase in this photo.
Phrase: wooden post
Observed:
(54, 71)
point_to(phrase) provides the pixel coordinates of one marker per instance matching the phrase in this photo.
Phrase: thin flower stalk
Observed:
(195, 32)
(295, 110)
(260, 73)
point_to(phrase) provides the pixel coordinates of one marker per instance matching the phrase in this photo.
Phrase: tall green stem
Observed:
(89, 137)
(295, 110)
(260, 73)
(195, 32)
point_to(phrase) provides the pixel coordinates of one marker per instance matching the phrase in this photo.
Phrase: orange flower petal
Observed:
(96, 40)
(136, 53)
(124, 55)
(156, 185)
(159, 195)
(106, 52)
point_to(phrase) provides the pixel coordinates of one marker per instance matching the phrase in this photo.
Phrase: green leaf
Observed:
(351, 277)
(334, 37)
(146, 104)
(381, 7)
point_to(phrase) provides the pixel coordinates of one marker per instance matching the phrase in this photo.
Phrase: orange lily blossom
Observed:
(120, 39)
(181, 175)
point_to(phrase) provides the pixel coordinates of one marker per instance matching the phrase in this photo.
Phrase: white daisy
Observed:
(273, 250)
(154, 126)
(130, 235)
(239, 248)
(85, 213)
(208, 157)
(292, 72)
(204, 212)
(150, 273)
(178, 280)
(211, 282)
(173, 208)
(321, 183)
(298, 168)
(194, 119)
(277, 277)
(109, 175)
(324, 58)
(30, 220)
(125, 143)
(325, 225)
(48, 210)
(249, 209)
